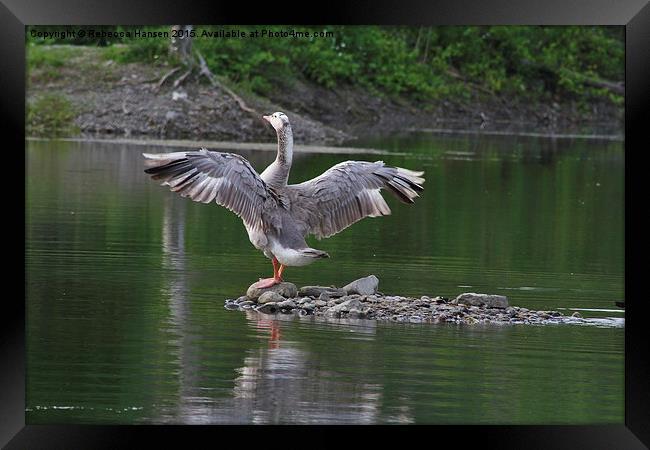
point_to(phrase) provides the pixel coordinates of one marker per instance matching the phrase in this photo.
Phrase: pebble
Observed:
(287, 304)
(364, 286)
(315, 291)
(268, 308)
(286, 290)
(270, 296)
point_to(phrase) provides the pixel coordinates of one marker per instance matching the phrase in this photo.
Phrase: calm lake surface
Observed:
(126, 284)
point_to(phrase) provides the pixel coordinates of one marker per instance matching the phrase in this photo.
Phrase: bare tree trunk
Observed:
(181, 47)
(205, 71)
(426, 45)
(181, 43)
(417, 41)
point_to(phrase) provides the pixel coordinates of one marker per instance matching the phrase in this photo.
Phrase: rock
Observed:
(286, 304)
(287, 290)
(270, 296)
(356, 314)
(268, 308)
(363, 286)
(346, 306)
(491, 301)
(577, 315)
(316, 291)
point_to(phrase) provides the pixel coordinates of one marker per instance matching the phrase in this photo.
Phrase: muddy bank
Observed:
(128, 100)
(362, 300)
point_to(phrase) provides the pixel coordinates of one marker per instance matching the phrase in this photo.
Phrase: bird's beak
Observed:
(267, 118)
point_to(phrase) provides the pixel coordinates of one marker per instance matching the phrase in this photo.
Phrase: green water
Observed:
(126, 283)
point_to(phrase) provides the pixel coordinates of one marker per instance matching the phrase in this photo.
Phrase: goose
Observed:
(279, 216)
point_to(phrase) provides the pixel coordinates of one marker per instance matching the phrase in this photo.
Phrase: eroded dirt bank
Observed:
(128, 100)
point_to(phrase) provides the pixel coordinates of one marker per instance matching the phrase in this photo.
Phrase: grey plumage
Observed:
(279, 216)
(205, 176)
(349, 191)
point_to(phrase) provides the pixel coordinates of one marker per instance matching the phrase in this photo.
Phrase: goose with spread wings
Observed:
(279, 216)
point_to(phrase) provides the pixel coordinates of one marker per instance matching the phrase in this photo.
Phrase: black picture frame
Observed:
(16, 14)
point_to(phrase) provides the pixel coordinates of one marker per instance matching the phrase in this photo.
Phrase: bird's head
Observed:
(278, 120)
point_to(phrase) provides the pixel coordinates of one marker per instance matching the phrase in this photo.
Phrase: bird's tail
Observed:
(313, 253)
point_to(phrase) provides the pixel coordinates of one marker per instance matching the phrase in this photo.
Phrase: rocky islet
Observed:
(361, 299)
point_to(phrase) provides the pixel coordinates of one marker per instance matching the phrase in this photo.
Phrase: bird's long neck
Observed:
(285, 147)
(277, 174)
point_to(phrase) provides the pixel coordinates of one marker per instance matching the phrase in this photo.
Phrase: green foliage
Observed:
(51, 114)
(137, 50)
(420, 63)
(39, 57)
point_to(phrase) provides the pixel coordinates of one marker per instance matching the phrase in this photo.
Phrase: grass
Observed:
(51, 115)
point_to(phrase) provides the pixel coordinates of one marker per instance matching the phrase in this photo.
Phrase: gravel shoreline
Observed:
(361, 300)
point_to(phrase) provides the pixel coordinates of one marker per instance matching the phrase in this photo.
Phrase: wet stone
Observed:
(355, 314)
(270, 296)
(287, 304)
(315, 291)
(363, 286)
(286, 290)
(490, 301)
(268, 308)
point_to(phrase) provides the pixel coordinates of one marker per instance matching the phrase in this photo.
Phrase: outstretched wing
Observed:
(206, 176)
(349, 191)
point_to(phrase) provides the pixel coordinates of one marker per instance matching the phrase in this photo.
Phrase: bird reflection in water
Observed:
(267, 325)
(280, 381)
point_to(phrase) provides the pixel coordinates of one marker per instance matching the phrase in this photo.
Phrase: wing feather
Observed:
(349, 192)
(207, 176)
